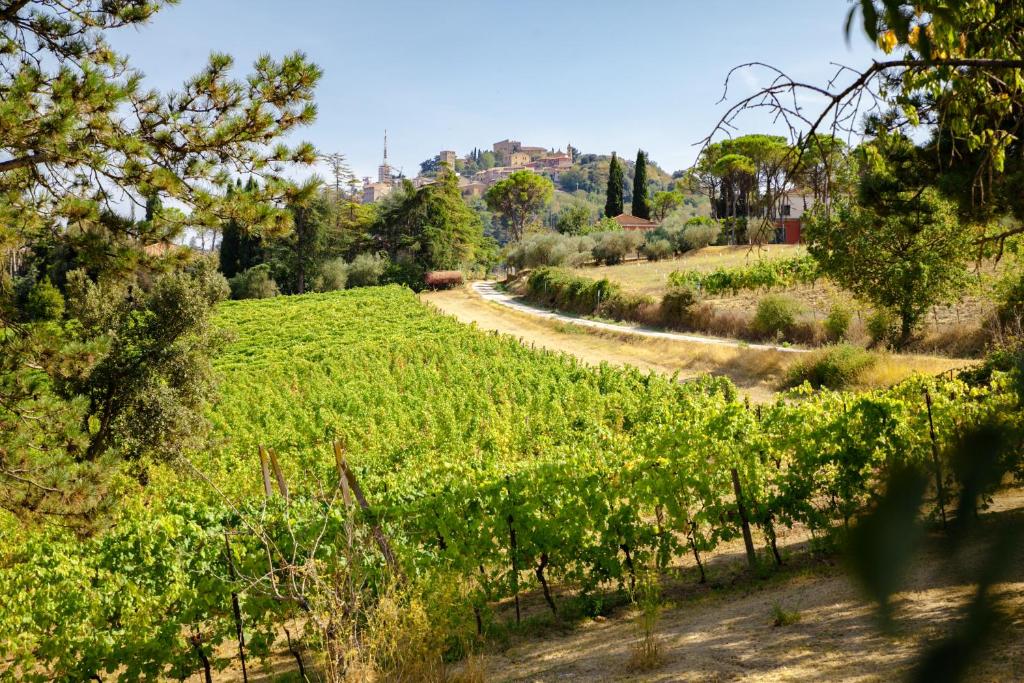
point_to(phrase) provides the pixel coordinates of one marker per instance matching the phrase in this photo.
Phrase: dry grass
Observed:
(957, 330)
(651, 277)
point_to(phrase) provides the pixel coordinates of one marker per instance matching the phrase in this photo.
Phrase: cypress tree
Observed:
(613, 204)
(250, 246)
(641, 206)
(229, 245)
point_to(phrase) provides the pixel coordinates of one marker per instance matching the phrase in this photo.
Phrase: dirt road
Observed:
(755, 371)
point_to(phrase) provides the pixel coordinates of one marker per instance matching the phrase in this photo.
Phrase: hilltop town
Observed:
(477, 170)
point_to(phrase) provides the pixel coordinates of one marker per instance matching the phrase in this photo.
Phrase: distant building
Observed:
(789, 223)
(373, 192)
(506, 147)
(447, 156)
(492, 175)
(387, 179)
(519, 159)
(473, 189)
(631, 222)
(161, 248)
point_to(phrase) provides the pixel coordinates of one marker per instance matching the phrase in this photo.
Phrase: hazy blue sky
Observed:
(455, 74)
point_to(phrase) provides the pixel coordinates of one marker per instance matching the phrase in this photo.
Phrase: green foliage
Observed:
(700, 232)
(430, 228)
(366, 270)
(765, 274)
(333, 275)
(784, 617)
(519, 199)
(605, 225)
(74, 108)
(574, 220)
(776, 316)
(677, 306)
(549, 249)
(451, 432)
(655, 250)
(904, 251)
(254, 283)
(836, 367)
(613, 196)
(640, 206)
(44, 301)
(612, 247)
(837, 322)
(295, 258)
(567, 292)
(974, 151)
(882, 326)
(664, 203)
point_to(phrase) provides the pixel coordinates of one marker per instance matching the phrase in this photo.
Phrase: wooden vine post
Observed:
(513, 548)
(748, 540)
(347, 479)
(940, 491)
(236, 609)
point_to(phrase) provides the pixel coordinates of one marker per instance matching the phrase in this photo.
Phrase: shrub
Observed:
(657, 249)
(366, 270)
(837, 367)
(881, 327)
(623, 306)
(215, 286)
(783, 617)
(44, 301)
(677, 306)
(605, 225)
(561, 289)
(837, 323)
(671, 229)
(333, 275)
(254, 283)
(766, 274)
(443, 279)
(611, 248)
(776, 316)
(548, 249)
(697, 235)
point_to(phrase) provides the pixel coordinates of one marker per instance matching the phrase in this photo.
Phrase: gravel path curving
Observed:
(488, 290)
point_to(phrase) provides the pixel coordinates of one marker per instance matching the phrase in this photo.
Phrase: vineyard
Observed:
(761, 275)
(401, 447)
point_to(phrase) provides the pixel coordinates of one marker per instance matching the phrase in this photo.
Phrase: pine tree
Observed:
(641, 206)
(613, 204)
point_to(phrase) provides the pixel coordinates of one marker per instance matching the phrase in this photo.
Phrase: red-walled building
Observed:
(788, 225)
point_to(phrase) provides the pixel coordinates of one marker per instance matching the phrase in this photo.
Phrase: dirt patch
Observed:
(727, 634)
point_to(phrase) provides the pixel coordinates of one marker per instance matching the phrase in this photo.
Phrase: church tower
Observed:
(384, 170)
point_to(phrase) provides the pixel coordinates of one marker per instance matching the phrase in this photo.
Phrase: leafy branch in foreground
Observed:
(959, 74)
(118, 373)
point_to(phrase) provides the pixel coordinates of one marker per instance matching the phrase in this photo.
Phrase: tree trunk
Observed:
(748, 540)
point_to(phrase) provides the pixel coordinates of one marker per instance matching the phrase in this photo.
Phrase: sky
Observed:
(457, 74)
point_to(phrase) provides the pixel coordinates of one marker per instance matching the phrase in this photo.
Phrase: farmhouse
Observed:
(791, 218)
(631, 222)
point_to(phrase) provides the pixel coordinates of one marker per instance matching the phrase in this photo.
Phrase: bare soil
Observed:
(726, 632)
